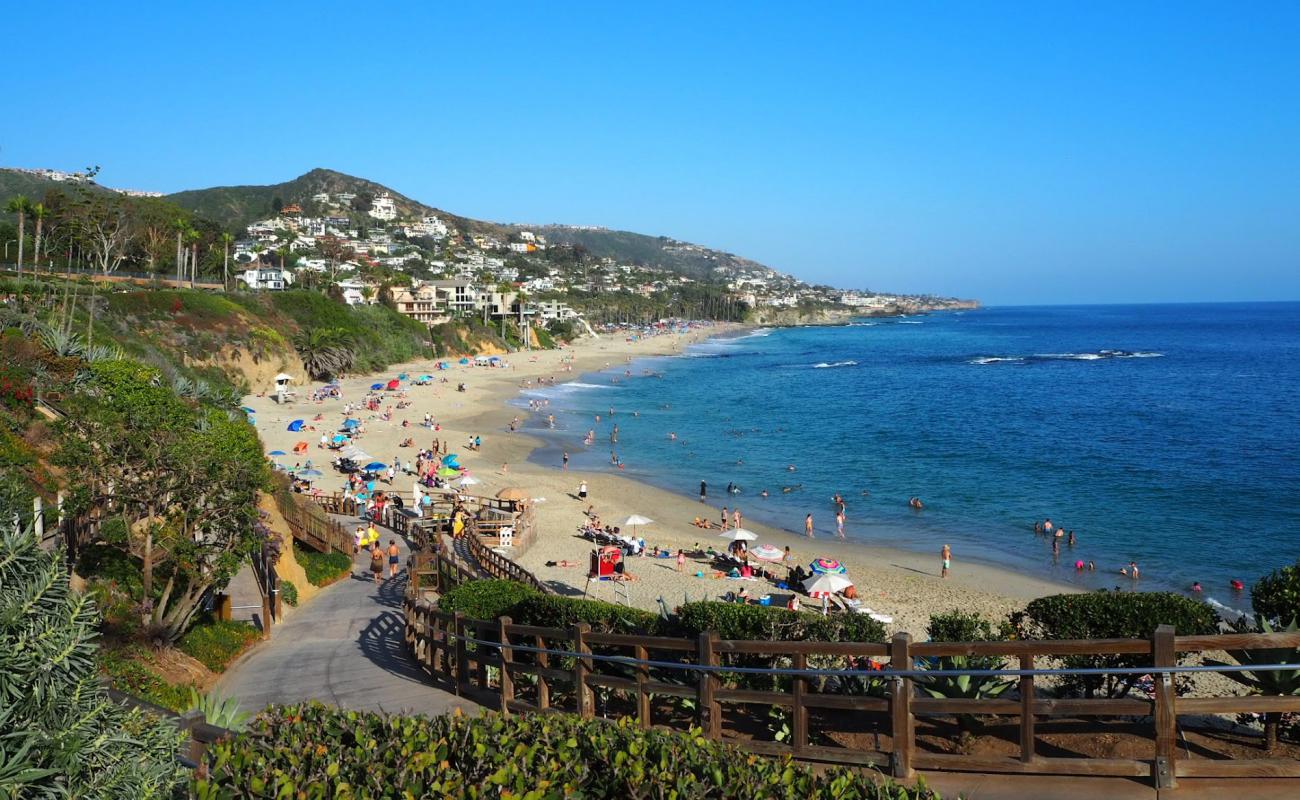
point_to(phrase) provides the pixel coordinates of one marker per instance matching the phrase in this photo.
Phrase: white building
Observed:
(272, 278)
(383, 208)
(551, 310)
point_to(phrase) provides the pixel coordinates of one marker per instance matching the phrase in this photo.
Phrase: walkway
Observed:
(345, 648)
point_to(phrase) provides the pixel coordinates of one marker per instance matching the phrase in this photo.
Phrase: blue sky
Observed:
(1017, 153)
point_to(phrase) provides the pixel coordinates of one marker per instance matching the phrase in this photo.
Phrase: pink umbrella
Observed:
(827, 565)
(767, 552)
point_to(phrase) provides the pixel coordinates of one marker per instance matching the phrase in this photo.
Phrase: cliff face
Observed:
(838, 315)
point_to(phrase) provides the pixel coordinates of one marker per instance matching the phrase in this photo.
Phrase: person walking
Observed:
(377, 562)
(704, 491)
(394, 556)
(808, 526)
(582, 490)
(839, 522)
(565, 458)
(946, 555)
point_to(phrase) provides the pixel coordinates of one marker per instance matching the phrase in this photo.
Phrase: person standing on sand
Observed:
(722, 526)
(565, 458)
(736, 518)
(808, 526)
(946, 555)
(704, 491)
(582, 490)
(839, 522)
(681, 560)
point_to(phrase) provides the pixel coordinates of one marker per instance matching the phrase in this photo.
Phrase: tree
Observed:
(19, 205)
(182, 476)
(333, 249)
(227, 239)
(107, 229)
(325, 352)
(39, 214)
(64, 736)
(192, 238)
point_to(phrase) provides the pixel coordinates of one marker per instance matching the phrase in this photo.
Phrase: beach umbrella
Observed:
(426, 377)
(827, 565)
(376, 386)
(447, 472)
(401, 376)
(464, 361)
(338, 437)
(450, 460)
(248, 410)
(826, 584)
(283, 376)
(469, 480)
(512, 493)
(295, 426)
(310, 473)
(634, 522)
(374, 466)
(393, 384)
(767, 552)
(738, 535)
(277, 453)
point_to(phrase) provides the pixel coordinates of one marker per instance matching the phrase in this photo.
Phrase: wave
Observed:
(1100, 355)
(581, 385)
(1227, 612)
(824, 365)
(909, 322)
(863, 324)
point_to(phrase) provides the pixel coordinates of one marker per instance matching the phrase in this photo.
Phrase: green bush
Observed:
(288, 593)
(322, 568)
(1276, 596)
(317, 751)
(551, 611)
(62, 736)
(488, 599)
(1110, 615)
(739, 621)
(962, 626)
(218, 642)
(127, 672)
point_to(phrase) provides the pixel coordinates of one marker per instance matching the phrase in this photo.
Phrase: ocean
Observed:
(1168, 435)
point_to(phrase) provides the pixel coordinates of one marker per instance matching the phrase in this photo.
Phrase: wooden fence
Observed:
(499, 566)
(827, 717)
(311, 524)
(199, 735)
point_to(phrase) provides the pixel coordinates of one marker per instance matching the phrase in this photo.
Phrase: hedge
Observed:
(288, 592)
(1276, 596)
(1110, 615)
(485, 599)
(739, 621)
(322, 568)
(315, 751)
(217, 643)
(551, 611)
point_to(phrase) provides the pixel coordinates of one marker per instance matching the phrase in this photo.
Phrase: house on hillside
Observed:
(272, 278)
(384, 208)
(420, 304)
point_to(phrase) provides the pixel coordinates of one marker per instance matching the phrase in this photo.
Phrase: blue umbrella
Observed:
(374, 465)
(401, 376)
(376, 386)
(426, 377)
(338, 437)
(247, 410)
(351, 423)
(464, 361)
(310, 473)
(277, 453)
(296, 425)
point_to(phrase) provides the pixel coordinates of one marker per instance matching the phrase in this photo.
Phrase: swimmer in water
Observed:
(916, 503)
(789, 467)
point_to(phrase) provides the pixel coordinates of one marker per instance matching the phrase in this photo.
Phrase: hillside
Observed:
(34, 187)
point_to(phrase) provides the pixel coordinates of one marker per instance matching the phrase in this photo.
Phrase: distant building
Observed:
(420, 304)
(383, 208)
(552, 310)
(457, 296)
(272, 278)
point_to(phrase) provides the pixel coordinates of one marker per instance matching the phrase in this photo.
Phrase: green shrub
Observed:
(62, 736)
(322, 568)
(288, 592)
(551, 611)
(1111, 615)
(317, 751)
(749, 622)
(488, 599)
(217, 643)
(127, 672)
(1276, 596)
(962, 626)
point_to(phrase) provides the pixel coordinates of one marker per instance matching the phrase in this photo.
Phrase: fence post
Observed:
(903, 724)
(543, 682)
(436, 644)
(462, 662)
(266, 614)
(1027, 711)
(507, 660)
(798, 712)
(1165, 718)
(642, 678)
(586, 708)
(38, 517)
(709, 709)
(187, 723)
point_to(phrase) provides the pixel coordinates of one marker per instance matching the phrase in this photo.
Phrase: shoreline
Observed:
(902, 584)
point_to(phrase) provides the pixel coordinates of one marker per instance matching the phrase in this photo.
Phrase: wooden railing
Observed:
(311, 524)
(199, 735)
(499, 566)
(832, 717)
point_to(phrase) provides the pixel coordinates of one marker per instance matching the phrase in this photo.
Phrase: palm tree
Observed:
(227, 239)
(19, 205)
(39, 213)
(192, 236)
(325, 352)
(180, 225)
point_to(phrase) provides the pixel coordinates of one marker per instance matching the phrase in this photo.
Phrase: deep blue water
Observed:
(1163, 434)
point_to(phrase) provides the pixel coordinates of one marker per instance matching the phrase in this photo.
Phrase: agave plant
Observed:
(222, 712)
(103, 352)
(61, 342)
(1273, 682)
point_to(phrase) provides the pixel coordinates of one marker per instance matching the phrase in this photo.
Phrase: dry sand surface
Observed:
(903, 585)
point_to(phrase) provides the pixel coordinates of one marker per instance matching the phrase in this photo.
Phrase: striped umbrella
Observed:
(827, 565)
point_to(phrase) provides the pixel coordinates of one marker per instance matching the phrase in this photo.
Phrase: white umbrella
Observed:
(283, 377)
(826, 584)
(767, 552)
(635, 521)
(738, 535)
(469, 480)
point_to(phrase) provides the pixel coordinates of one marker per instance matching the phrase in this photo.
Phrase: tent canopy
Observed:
(295, 426)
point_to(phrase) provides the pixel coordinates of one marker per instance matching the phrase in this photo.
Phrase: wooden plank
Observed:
(846, 702)
(751, 696)
(1254, 704)
(462, 663)
(840, 755)
(543, 685)
(506, 656)
(581, 668)
(706, 704)
(944, 705)
(1098, 707)
(1251, 768)
(768, 748)
(1165, 718)
(1027, 710)
(642, 697)
(1119, 767)
(902, 723)
(1237, 641)
(1034, 647)
(671, 689)
(612, 682)
(649, 642)
(807, 648)
(522, 706)
(547, 633)
(798, 711)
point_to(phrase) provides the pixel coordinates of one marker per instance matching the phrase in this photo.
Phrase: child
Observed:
(681, 560)
(946, 555)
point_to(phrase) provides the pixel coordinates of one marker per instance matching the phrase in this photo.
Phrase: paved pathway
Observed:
(345, 647)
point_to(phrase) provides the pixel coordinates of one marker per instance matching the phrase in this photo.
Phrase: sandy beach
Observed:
(903, 585)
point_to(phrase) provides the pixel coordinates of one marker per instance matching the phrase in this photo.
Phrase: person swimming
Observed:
(915, 502)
